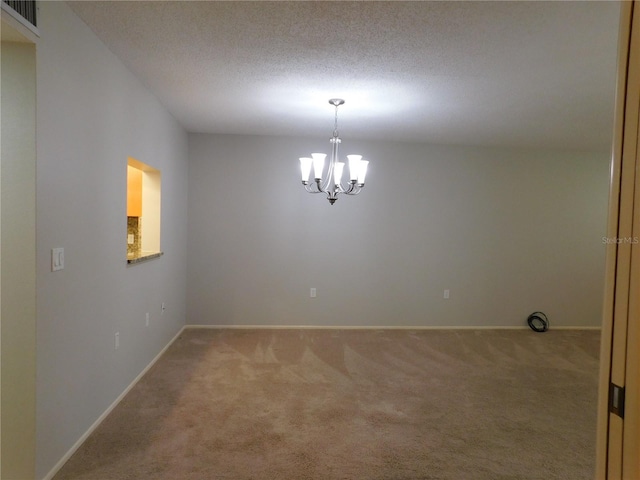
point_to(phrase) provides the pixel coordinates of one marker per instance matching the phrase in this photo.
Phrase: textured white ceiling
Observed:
(526, 74)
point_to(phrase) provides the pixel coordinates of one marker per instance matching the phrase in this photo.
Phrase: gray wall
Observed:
(92, 114)
(507, 231)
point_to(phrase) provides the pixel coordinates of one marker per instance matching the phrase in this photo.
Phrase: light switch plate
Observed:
(57, 259)
(130, 239)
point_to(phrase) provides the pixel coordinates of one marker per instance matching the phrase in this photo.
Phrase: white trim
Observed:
(104, 415)
(575, 328)
(376, 327)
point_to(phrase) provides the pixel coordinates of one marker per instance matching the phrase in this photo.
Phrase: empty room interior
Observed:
(234, 324)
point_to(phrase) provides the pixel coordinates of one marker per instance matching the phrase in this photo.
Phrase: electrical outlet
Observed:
(117, 340)
(312, 293)
(446, 294)
(146, 322)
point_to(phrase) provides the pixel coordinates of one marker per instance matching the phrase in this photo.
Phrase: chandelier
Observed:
(331, 183)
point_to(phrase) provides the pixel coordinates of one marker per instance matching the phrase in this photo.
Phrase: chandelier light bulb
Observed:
(362, 172)
(318, 164)
(331, 183)
(354, 166)
(305, 168)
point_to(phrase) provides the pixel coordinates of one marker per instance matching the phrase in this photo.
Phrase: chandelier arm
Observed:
(349, 190)
(335, 142)
(325, 184)
(322, 185)
(355, 190)
(309, 188)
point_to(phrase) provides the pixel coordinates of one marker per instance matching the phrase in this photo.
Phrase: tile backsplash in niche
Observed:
(134, 228)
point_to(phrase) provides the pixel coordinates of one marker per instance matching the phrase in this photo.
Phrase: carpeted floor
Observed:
(356, 404)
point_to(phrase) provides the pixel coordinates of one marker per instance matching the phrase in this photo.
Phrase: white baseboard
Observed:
(101, 418)
(575, 328)
(377, 327)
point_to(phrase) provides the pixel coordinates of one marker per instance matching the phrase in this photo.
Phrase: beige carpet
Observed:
(356, 404)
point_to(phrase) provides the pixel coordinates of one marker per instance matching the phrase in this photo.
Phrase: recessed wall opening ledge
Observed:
(143, 257)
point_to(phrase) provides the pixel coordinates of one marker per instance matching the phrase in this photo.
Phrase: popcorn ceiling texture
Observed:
(517, 74)
(355, 404)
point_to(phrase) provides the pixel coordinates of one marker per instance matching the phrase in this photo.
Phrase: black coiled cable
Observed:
(538, 322)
